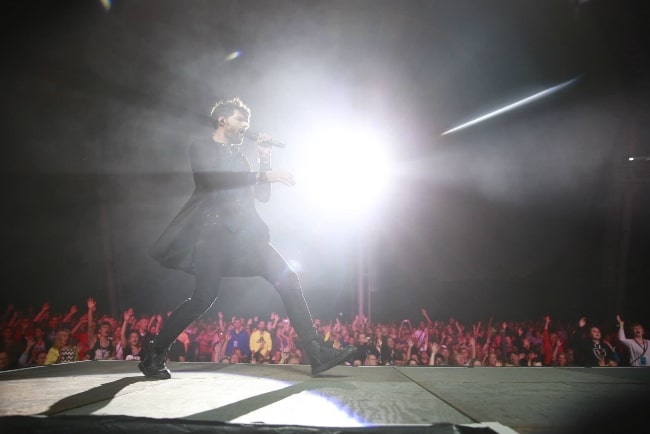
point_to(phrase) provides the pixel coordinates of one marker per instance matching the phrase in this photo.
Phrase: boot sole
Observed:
(347, 352)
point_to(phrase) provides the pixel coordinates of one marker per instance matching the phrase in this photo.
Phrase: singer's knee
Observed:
(287, 282)
(201, 302)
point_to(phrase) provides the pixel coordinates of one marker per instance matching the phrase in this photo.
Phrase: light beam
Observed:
(514, 105)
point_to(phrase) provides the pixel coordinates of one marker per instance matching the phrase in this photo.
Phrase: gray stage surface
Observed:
(505, 400)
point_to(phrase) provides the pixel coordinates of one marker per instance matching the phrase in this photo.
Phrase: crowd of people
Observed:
(46, 338)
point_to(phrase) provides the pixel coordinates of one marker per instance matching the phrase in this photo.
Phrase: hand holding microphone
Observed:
(263, 149)
(264, 139)
(264, 146)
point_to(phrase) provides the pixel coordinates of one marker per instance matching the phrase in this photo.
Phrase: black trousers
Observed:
(222, 253)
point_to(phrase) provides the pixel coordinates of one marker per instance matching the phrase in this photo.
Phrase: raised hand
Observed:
(92, 305)
(30, 342)
(582, 322)
(620, 320)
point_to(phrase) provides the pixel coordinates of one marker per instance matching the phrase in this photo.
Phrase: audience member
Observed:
(589, 349)
(204, 344)
(32, 355)
(62, 350)
(638, 347)
(371, 360)
(260, 342)
(390, 355)
(133, 348)
(10, 347)
(238, 338)
(177, 352)
(101, 346)
(4, 361)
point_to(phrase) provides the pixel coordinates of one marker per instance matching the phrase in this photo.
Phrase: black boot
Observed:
(153, 365)
(323, 356)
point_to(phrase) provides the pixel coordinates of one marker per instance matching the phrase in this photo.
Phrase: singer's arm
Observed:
(263, 186)
(266, 176)
(206, 174)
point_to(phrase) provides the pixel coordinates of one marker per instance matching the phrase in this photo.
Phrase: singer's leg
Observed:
(321, 355)
(211, 260)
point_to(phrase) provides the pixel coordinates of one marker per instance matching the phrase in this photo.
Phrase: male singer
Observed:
(219, 233)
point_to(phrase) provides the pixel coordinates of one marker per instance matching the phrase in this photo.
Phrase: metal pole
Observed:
(372, 281)
(360, 279)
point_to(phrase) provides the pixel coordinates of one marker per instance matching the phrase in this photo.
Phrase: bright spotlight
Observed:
(343, 171)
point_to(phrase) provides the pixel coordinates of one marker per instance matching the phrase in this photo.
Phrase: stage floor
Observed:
(524, 400)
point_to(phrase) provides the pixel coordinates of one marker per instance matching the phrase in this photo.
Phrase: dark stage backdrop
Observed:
(529, 213)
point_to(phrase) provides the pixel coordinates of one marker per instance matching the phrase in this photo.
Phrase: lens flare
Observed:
(234, 55)
(106, 4)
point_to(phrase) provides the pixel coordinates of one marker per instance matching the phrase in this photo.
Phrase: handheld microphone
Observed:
(253, 135)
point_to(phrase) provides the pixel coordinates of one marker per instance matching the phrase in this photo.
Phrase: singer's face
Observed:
(235, 127)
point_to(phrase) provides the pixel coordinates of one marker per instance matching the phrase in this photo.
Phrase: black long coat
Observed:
(222, 197)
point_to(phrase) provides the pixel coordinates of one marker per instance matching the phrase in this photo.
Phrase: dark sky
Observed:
(516, 216)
